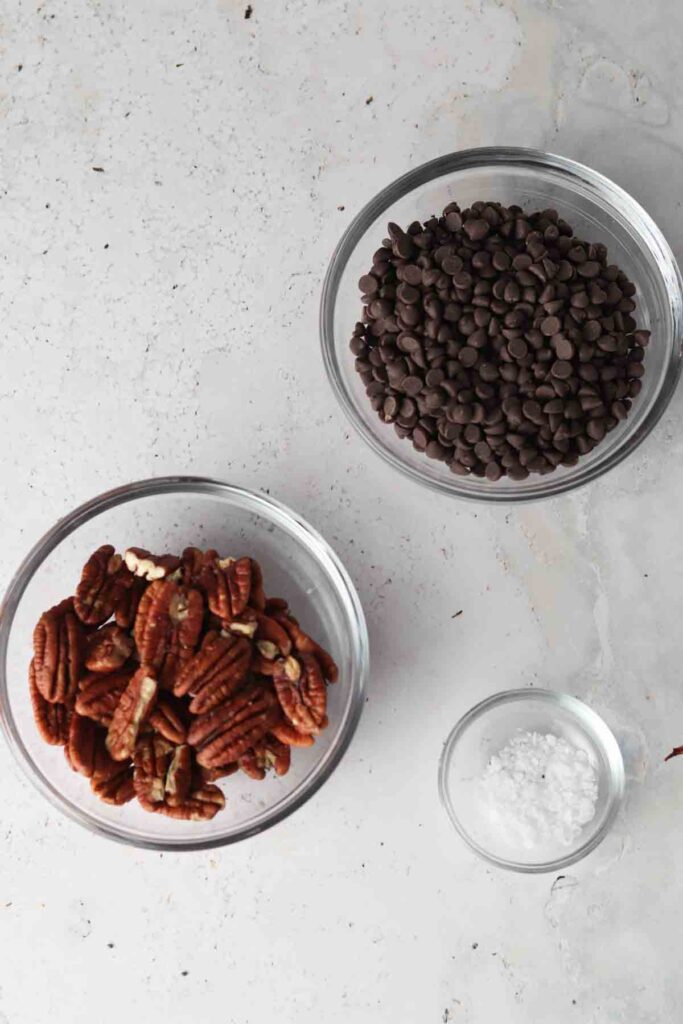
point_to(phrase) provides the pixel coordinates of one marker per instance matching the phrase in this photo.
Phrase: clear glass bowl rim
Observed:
(482, 158)
(275, 512)
(600, 732)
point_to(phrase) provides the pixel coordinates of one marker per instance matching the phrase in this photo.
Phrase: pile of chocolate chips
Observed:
(497, 341)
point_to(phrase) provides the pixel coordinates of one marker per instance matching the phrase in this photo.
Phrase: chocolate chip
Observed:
(596, 429)
(476, 229)
(391, 407)
(532, 410)
(435, 450)
(588, 269)
(412, 385)
(412, 274)
(420, 437)
(564, 349)
(550, 325)
(561, 369)
(434, 377)
(462, 280)
(472, 433)
(368, 284)
(518, 348)
(451, 265)
(461, 413)
(468, 356)
(453, 221)
(554, 407)
(406, 293)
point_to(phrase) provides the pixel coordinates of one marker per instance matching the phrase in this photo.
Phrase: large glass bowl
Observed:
(484, 731)
(598, 210)
(167, 515)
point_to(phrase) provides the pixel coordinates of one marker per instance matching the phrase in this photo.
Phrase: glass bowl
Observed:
(484, 731)
(167, 515)
(598, 210)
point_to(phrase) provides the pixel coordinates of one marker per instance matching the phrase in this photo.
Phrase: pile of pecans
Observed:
(497, 341)
(198, 675)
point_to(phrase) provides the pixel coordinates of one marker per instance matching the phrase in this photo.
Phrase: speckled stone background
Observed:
(174, 176)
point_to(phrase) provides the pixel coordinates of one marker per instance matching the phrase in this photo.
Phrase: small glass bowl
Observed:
(169, 514)
(598, 210)
(485, 730)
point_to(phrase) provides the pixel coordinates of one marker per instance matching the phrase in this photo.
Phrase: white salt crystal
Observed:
(541, 789)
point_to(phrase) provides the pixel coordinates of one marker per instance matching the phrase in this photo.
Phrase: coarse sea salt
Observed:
(540, 790)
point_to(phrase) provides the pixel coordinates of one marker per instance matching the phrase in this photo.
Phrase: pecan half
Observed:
(150, 567)
(103, 580)
(269, 753)
(275, 605)
(116, 790)
(227, 582)
(179, 776)
(166, 719)
(239, 584)
(249, 764)
(87, 753)
(150, 764)
(228, 676)
(99, 695)
(193, 561)
(186, 614)
(314, 690)
(202, 805)
(209, 573)
(302, 693)
(81, 744)
(215, 672)
(286, 732)
(152, 622)
(135, 704)
(304, 644)
(226, 732)
(107, 649)
(52, 720)
(168, 626)
(58, 651)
